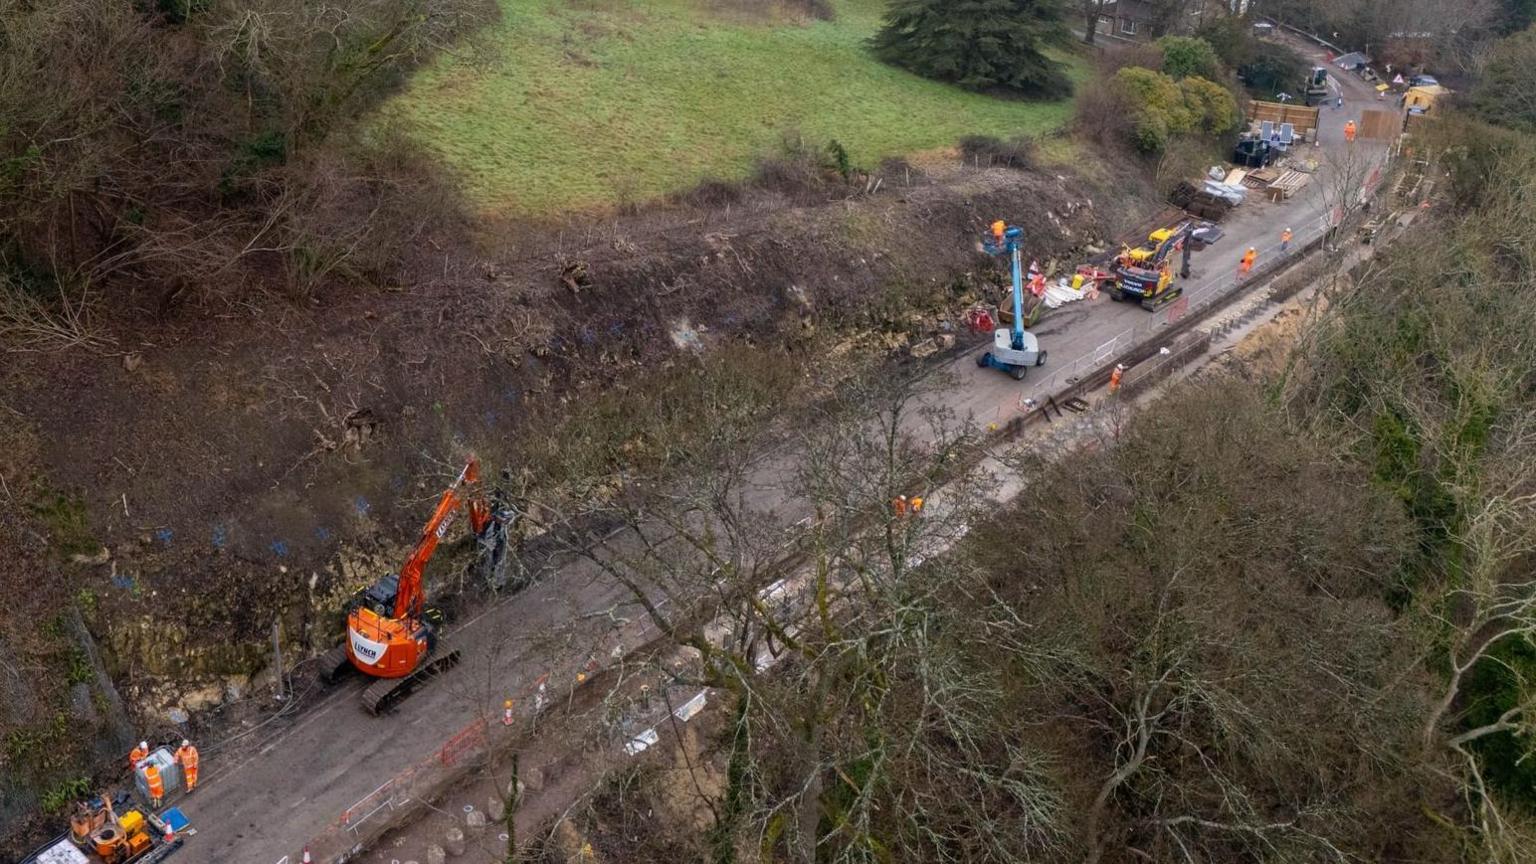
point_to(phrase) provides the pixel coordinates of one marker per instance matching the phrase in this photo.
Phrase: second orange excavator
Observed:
(391, 634)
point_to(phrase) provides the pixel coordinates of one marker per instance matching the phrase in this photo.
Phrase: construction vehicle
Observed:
(391, 634)
(1146, 273)
(98, 835)
(1316, 92)
(1014, 349)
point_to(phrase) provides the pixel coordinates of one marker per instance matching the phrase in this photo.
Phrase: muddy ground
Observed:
(224, 467)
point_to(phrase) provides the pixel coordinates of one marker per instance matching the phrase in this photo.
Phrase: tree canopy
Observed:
(1184, 56)
(976, 44)
(1165, 108)
(1506, 93)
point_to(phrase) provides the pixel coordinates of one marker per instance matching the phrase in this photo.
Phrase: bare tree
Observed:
(852, 720)
(1342, 189)
(1091, 10)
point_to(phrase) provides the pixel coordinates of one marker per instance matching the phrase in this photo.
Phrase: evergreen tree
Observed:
(976, 44)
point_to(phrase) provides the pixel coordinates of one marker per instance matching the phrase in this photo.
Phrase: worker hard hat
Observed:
(143, 745)
(186, 743)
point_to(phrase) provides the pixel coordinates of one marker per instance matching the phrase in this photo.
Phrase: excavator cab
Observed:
(381, 594)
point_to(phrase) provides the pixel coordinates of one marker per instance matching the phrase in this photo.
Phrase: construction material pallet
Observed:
(1287, 185)
(1260, 178)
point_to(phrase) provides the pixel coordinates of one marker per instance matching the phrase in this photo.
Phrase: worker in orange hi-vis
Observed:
(186, 757)
(999, 228)
(1246, 266)
(138, 754)
(1285, 240)
(156, 786)
(917, 504)
(899, 505)
(1115, 378)
(1349, 131)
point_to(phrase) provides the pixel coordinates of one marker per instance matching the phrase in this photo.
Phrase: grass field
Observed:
(588, 103)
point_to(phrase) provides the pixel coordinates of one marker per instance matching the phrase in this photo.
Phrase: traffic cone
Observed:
(170, 835)
(506, 713)
(305, 859)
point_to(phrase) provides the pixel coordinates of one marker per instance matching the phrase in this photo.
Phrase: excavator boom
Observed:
(410, 597)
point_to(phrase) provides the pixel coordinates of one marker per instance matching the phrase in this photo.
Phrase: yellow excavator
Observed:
(1145, 273)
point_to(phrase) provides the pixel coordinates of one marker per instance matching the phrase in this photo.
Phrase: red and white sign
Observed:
(1177, 310)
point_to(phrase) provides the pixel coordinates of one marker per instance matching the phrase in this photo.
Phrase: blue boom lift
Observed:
(1014, 349)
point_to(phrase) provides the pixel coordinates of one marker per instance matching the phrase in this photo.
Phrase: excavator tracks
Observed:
(1162, 300)
(384, 694)
(335, 665)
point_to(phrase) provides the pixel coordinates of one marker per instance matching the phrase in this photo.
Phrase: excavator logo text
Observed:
(365, 649)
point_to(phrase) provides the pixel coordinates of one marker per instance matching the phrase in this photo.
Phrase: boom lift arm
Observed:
(1014, 349)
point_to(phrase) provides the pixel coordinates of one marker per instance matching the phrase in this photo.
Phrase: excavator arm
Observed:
(410, 597)
(1179, 241)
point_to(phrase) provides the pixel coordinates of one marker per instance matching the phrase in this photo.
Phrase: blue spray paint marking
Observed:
(220, 537)
(586, 335)
(322, 533)
(512, 394)
(279, 548)
(122, 580)
(616, 328)
(164, 536)
(490, 417)
(362, 506)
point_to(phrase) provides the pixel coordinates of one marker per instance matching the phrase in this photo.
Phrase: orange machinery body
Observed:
(387, 647)
(388, 634)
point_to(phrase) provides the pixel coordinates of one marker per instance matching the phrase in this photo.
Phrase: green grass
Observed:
(588, 103)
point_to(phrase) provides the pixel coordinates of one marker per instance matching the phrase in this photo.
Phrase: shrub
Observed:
(1210, 105)
(1104, 111)
(1161, 107)
(1017, 152)
(1272, 69)
(1230, 37)
(1189, 56)
(711, 192)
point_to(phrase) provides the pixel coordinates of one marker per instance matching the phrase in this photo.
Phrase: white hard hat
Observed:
(143, 745)
(186, 743)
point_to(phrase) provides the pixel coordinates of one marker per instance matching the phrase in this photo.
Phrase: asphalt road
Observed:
(267, 794)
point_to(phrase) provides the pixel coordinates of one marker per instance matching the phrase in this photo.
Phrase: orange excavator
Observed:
(391, 634)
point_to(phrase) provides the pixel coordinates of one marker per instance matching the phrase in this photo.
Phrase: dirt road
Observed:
(284, 784)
